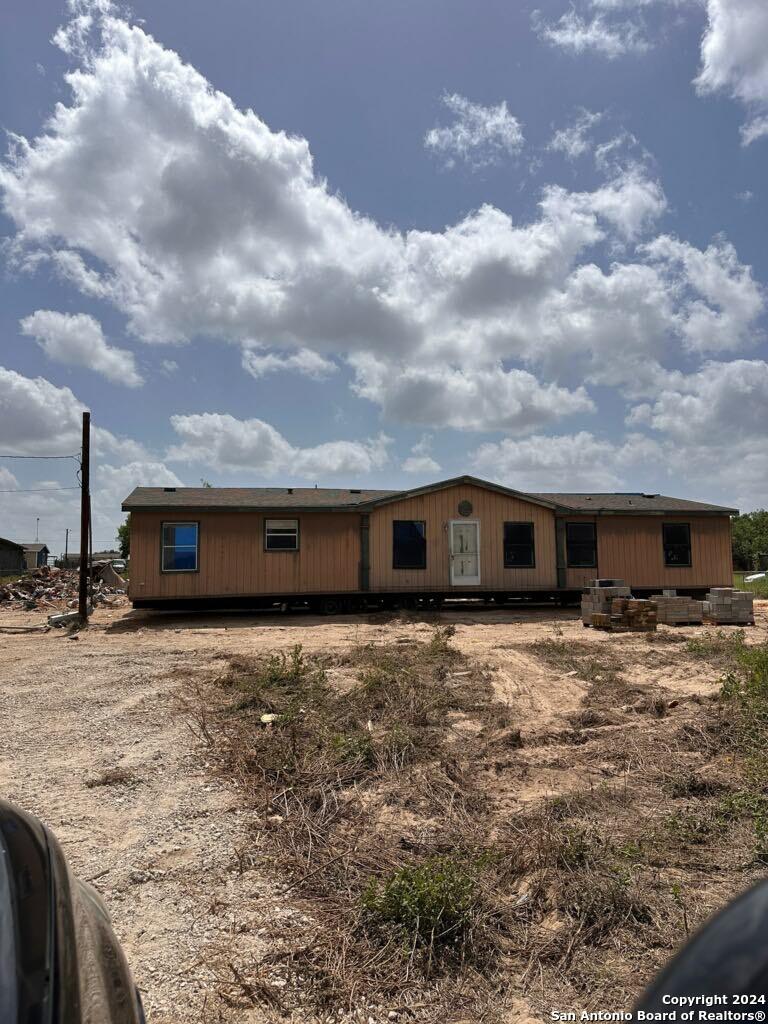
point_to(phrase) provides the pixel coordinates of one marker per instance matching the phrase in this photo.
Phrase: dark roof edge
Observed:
(567, 510)
(455, 481)
(13, 543)
(128, 507)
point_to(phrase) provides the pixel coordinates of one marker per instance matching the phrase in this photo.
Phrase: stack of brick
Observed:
(628, 615)
(725, 606)
(596, 599)
(674, 610)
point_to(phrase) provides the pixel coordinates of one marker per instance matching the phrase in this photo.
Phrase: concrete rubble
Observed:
(49, 587)
(726, 606)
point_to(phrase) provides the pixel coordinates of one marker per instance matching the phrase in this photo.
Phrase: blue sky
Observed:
(355, 244)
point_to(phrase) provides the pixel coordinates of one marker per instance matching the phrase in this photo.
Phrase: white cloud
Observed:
(38, 418)
(479, 135)
(583, 462)
(197, 220)
(492, 399)
(305, 361)
(574, 140)
(422, 465)
(7, 480)
(594, 34)
(221, 440)
(624, 5)
(420, 461)
(578, 462)
(720, 405)
(78, 340)
(734, 58)
(111, 484)
(728, 301)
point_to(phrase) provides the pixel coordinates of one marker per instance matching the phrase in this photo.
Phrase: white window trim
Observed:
(296, 534)
(173, 547)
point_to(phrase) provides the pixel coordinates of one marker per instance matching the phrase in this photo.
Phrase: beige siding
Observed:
(575, 579)
(437, 509)
(233, 561)
(631, 547)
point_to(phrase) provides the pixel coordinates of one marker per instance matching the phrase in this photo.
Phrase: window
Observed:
(409, 544)
(677, 544)
(179, 544)
(518, 546)
(581, 545)
(281, 534)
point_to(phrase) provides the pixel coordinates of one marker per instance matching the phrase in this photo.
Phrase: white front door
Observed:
(465, 552)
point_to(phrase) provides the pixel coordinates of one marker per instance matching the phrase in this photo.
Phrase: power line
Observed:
(77, 457)
(35, 490)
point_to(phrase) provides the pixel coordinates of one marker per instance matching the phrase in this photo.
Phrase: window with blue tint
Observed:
(409, 544)
(179, 547)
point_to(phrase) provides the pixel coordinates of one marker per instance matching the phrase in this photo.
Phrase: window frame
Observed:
(409, 568)
(664, 545)
(163, 545)
(282, 551)
(581, 565)
(532, 563)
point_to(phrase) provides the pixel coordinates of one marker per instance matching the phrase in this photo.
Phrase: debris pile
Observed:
(49, 587)
(675, 610)
(725, 606)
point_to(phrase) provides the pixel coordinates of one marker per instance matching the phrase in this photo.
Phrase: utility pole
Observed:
(85, 501)
(37, 529)
(66, 547)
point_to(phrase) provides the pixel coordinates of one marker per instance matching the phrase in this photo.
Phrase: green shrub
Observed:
(744, 694)
(355, 747)
(430, 903)
(440, 642)
(719, 647)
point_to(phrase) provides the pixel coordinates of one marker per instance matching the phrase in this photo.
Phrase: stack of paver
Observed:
(628, 615)
(675, 610)
(725, 606)
(597, 598)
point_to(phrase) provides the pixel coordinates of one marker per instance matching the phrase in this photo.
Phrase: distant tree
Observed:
(124, 537)
(205, 483)
(750, 539)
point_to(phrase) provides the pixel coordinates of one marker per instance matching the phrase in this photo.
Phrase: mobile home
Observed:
(340, 549)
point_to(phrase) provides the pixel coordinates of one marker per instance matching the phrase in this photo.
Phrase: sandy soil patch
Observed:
(164, 846)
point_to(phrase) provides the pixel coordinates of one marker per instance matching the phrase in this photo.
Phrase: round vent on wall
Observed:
(465, 508)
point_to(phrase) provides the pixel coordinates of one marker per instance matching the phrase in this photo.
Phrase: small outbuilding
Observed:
(11, 557)
(35, 555)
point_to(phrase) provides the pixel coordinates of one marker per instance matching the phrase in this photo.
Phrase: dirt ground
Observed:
(165, 846)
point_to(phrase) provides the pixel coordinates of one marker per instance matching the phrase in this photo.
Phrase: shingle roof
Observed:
(628, 502)
(249, 497)
(11, 543)
(34, 547)
(339, 498)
